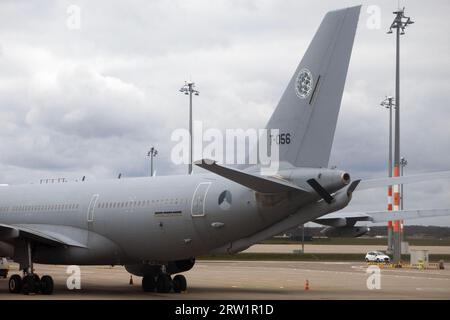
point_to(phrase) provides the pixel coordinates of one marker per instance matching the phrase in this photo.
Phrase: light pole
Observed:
(388, 103)
(152, 153)
(400, 23)
(189, 89)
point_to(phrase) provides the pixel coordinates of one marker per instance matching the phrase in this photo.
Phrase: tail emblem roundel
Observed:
(303, 83)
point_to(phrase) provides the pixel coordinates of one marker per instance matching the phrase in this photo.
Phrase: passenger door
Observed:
(199, 199)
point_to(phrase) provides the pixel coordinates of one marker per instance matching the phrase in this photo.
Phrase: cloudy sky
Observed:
(90, 98)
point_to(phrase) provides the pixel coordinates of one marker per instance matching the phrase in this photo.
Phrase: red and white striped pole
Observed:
(390, 224)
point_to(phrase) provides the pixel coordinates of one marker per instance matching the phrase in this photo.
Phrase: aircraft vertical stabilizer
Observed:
(309, 107)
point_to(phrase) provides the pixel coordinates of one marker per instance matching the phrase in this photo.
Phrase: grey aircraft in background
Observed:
(156, 226)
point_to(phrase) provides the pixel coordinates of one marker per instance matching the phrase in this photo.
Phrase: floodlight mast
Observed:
(189, 89)
(399, 24)
(152, 153)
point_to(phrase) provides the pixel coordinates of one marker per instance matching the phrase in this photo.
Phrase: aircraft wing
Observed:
(384, 182)
(341, 219)
(257, 183)
(36, 234)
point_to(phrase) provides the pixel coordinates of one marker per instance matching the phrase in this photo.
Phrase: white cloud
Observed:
(91, 102)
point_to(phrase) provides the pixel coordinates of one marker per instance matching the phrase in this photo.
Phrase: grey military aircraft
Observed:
(156, 226)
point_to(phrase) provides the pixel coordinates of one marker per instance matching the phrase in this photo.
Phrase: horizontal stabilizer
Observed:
(384, 182)
(257, 183)
(341, 219)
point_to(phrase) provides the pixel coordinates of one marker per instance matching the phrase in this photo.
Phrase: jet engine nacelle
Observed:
(345, 232)
(6, 250)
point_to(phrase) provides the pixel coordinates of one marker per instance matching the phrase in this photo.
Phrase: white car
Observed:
(377, 256)
(4, 268)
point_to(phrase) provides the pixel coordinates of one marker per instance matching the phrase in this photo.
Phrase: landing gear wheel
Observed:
(47, 285)
(37, 283)
(179, 283)
(30, 284)
(15, 284)
(164, 283)
(148, 284)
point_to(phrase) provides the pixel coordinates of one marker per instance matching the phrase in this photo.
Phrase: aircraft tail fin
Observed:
(307, 112)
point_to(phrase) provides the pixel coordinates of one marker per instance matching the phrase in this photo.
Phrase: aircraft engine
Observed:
(6, 250)
(345, 232)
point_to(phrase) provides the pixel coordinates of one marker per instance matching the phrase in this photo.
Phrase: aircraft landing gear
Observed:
(163, 283)
(179, 283)
(30, 283)
(148, 283)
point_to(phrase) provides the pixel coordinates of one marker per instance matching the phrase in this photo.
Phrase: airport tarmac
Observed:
(254, 280)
